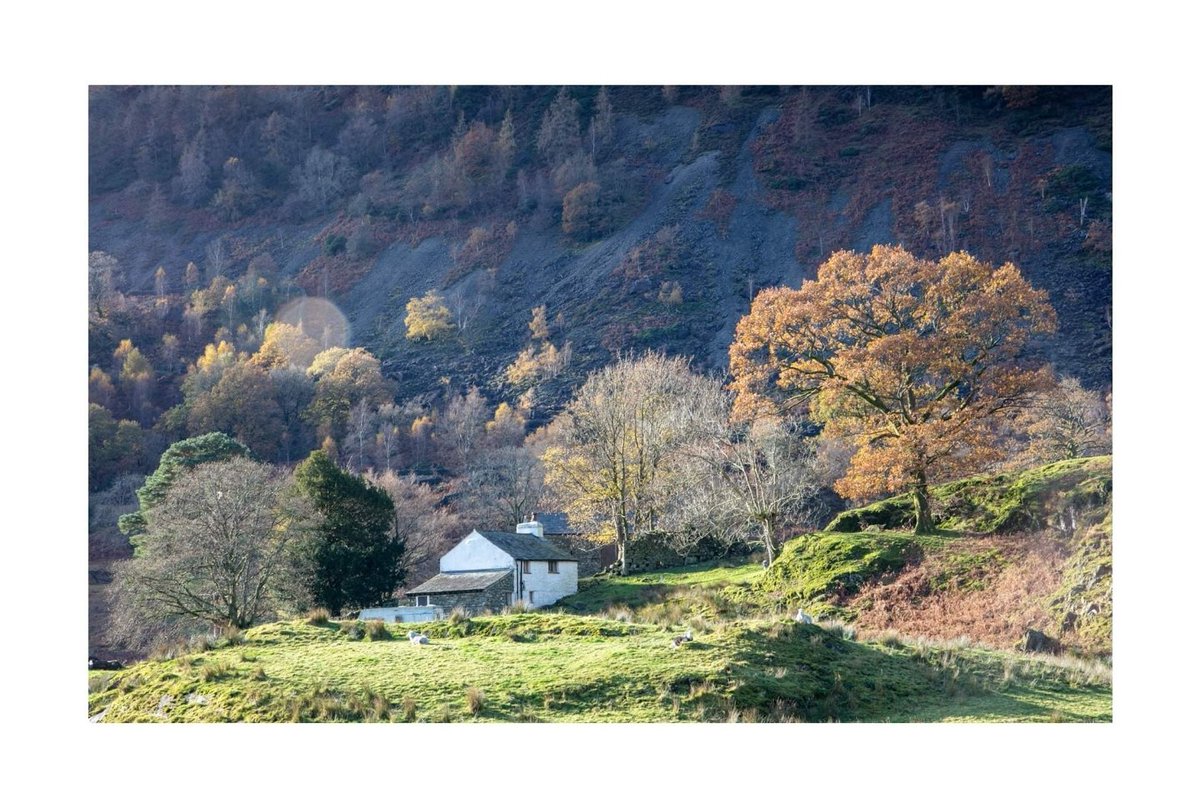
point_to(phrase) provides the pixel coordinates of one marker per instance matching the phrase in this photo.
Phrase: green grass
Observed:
(605, 655)
(557, 667)
(600, 592)
(817, 569)
(813, 571)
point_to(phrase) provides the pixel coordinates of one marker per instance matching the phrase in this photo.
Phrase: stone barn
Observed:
(489, 570)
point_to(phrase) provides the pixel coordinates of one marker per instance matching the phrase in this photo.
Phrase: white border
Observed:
(56, 52)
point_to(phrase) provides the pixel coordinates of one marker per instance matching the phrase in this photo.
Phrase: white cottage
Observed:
(489, 570)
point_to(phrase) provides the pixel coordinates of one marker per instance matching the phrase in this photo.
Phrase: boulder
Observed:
(1035, 641)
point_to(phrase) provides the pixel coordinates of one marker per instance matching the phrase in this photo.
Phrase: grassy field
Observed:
(560, 667)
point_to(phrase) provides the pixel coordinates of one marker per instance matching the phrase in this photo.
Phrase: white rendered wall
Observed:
(548, 587)
(475, 554)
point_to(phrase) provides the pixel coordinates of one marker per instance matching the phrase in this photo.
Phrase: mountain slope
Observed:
(746, 190)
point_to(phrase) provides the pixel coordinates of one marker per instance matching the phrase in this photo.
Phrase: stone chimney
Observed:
(532, 527)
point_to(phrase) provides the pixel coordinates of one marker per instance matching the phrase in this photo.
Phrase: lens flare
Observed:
(319, 319)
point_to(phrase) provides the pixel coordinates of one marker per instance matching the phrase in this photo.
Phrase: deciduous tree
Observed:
(619, 437)
(912, 359)
(1065, 421)
(213, 547)
(427, 317)
(103, 274)
(114, 447)
(345, 377)
(503, 486)
(748, 481)
(427, 526)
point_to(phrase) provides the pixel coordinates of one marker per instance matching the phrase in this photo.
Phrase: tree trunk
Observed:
(924, 518)
(769, 541)
(622, 538)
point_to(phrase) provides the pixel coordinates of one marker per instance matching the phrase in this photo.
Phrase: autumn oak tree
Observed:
(910, 359)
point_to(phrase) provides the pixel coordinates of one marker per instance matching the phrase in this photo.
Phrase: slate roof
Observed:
(460, 582)
(555, 524)
(526, 547)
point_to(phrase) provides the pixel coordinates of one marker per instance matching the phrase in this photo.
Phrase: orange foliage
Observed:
(908, 359)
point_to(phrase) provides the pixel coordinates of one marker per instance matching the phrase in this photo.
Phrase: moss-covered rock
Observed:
(1004, 503)
(1083, 602)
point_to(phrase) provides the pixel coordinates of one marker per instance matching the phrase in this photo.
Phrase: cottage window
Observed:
(552, 567)
(525, 568)
(422, 600)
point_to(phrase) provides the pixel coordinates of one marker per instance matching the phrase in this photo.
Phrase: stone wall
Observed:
(494, 598)
(651, 551)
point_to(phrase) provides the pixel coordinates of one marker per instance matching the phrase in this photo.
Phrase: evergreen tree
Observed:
(356, 550)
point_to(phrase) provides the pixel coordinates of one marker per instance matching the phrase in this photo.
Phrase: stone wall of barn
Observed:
(493, 599)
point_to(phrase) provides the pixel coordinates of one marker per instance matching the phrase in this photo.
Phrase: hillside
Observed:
(541, 667)
(715, 191)
(1016, 551)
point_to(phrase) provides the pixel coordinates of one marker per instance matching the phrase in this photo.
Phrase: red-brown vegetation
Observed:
(987, 589)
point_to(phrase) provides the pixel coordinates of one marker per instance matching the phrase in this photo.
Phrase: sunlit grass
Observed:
(547, 667)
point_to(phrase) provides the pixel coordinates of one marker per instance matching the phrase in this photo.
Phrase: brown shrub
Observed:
(994, 609)
(475, 700)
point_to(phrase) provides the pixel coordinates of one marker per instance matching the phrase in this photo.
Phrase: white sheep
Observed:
(801, 617)
(417, 639)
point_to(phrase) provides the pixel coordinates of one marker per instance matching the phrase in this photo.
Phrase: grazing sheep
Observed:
(417, 639)
(801, 617)
(679, 640)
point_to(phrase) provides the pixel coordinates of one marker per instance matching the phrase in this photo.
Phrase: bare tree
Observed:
(387, 437)
(427, 526)
(502, 487)
(214, 259)
(617, 440)
(362, 425)
(464, 306)
(461, 426)
(213, 550)
(1067, 421)
(747, 481)
(103, 274)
